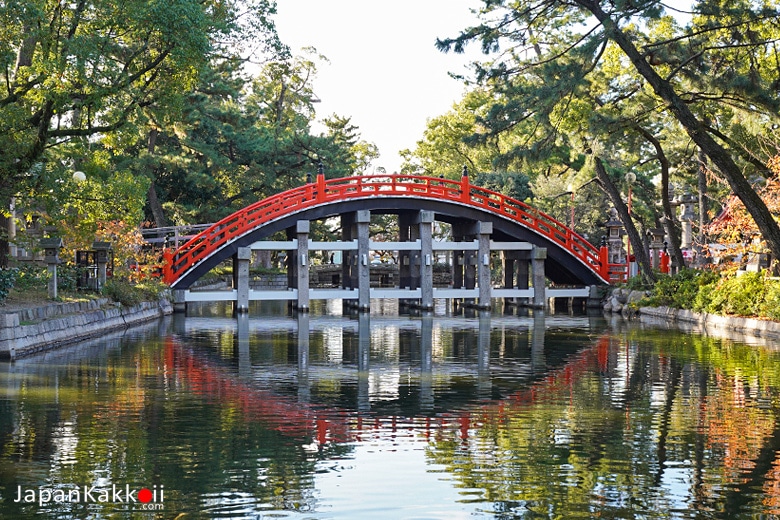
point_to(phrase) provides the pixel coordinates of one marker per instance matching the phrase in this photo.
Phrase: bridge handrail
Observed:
(322, 191)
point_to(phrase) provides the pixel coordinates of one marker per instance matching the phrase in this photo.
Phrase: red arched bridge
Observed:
(571, 259)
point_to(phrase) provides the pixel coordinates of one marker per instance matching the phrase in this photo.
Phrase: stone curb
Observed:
(56, 325)
(722, 325)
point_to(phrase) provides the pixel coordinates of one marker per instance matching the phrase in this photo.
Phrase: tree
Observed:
(558, 46)
(734, 228)
(444, 148)
(236, 140)
(84, 69)
(75, 73)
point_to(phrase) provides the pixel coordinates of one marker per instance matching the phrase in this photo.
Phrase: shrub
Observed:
(7, 281)
(772, 301)
(129, 294)
(751, 294)
(743, 295)
(30, 277)
(67, 277)
(682, 289)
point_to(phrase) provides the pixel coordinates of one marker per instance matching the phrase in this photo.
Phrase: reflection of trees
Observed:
(110, 425)
(660, 426)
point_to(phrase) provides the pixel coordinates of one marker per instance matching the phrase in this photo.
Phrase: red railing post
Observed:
(320, 187)
(320, 182)
(167, 267)
(604, 259)
(465, 185)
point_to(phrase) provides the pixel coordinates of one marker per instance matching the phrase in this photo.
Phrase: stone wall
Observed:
(268, 281)
(26, 331)
(626, 302)
(733, 327)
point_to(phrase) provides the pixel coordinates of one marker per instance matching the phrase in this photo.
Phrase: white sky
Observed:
(384, 71)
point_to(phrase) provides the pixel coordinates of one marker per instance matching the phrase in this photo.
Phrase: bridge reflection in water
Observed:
(349, 355)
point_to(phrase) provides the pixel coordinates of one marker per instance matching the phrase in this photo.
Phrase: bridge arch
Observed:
(571, 259)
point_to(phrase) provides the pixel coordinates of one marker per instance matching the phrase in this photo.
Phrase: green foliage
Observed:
(680, 290)
(129, 294)
(747, 295)
(92, 68)
(743, 295)
(67, 277)
(629, 84)
(7, 281)
(637, 283)
(441, 267)
(34, 278)
(80, 209)
(31, 277)
(515, 185)
(772, 301)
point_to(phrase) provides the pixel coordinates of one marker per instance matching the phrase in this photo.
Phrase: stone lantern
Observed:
(688, 215)
(102, 259)
(656, 236)
(615, 239)
(51, 248)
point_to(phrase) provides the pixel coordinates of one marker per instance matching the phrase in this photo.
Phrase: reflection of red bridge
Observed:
(303, 420)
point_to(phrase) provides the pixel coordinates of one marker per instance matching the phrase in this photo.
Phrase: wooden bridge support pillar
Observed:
(426, 260)
(348, 257)
(302, 263)
(538, 256)
(464, 261)
(362, 220)
(484, 230)
(516, 270)
(416, 267)
(241, 278)
(406, 222)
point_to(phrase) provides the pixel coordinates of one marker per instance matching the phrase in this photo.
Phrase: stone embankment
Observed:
(25, 331)
(626, 302)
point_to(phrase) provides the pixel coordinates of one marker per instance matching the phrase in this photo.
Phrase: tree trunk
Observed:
(669, 222)
(719, 156)
(151, 196)
(24, 58)
(633, 235)
(156, 207)
(704, 218)
(5, 239)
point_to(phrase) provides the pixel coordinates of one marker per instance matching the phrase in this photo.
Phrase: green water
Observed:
(388, 415)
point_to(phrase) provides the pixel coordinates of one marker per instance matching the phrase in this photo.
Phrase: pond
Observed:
(504, 414)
